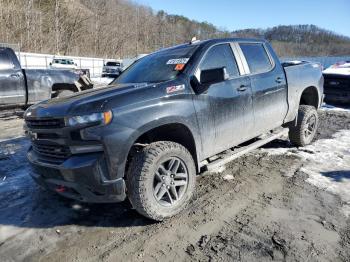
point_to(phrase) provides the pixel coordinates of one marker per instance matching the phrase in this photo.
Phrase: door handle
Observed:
(15, 76)
(242, 88)
(279, 80)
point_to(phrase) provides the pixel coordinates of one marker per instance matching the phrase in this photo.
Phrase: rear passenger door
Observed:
(224, 111)
(268, 84)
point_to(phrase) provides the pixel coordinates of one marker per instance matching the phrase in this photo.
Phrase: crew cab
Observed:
(164, 120)
(22, 87)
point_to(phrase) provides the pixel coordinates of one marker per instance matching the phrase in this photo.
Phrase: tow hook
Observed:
(60, 189)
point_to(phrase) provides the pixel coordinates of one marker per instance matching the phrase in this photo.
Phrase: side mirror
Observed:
(213, 76)
(208, 78)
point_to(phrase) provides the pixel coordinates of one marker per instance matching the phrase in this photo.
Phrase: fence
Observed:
(42, 61)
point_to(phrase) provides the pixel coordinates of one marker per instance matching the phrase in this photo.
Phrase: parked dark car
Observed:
(22, 87)
(166, 117)
(337, 83)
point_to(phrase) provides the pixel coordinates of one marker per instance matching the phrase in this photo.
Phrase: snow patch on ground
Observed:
(326, 107)
(101, 81)
(327, 162)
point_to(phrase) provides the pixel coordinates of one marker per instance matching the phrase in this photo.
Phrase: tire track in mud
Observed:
(215, 205)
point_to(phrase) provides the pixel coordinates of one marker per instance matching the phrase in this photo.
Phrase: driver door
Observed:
(224, 112)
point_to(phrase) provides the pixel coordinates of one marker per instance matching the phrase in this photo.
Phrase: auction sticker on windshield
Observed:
(177, 61)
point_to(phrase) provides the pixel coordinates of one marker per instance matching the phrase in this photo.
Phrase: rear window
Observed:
(158, 67)
(5, 61)
(257, 57)
(112, 64)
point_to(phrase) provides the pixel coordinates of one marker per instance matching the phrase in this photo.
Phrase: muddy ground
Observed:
(262, 207)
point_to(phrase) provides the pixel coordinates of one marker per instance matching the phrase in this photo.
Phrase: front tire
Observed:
(304, 131)
(161, 180)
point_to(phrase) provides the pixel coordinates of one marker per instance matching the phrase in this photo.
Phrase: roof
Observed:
(232, 39)
(212, 42)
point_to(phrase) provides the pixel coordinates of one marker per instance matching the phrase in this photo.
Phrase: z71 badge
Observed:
(172, 89)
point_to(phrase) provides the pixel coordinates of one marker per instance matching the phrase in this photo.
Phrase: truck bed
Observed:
(301, 74)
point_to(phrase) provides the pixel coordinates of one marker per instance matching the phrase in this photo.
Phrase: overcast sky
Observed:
(333, 15)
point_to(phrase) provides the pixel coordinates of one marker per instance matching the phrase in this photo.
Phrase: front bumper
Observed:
(80, 177)
(342, 98)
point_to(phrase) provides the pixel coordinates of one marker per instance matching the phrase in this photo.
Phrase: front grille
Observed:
(52, 151)
(336, 84)
(45, 123)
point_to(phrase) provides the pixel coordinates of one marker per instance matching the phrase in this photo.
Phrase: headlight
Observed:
(97, 118)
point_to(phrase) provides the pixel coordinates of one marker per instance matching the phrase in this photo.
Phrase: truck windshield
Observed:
(157, 67)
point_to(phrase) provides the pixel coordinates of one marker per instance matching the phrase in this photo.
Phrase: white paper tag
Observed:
(177, 61)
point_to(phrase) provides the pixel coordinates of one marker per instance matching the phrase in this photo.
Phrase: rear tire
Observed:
(161, 180)
(304, 131)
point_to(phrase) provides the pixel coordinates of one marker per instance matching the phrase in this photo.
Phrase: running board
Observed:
(229, 155)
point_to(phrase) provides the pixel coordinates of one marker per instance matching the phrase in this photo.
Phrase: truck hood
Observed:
(89, 101)
(338, 71)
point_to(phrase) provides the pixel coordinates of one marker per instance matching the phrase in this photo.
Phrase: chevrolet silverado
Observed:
(168, 117)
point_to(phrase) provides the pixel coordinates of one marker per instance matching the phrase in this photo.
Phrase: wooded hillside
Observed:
(121, 28)
(301, 40)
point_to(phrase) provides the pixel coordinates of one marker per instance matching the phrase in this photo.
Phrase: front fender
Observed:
(129, 125)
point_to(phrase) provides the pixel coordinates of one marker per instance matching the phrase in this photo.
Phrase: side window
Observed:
(220, 56)
(5, 62)
(257, 58)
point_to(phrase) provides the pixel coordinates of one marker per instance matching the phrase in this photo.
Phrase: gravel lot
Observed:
(276, 203)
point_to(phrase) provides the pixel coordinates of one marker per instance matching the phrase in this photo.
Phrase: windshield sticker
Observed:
(172, 89)
(179, 67)
(177, 61)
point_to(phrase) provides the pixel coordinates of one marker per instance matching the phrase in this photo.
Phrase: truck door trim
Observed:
(244, 68)
(237, 56)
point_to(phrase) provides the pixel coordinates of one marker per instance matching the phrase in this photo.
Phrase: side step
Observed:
(234, 153)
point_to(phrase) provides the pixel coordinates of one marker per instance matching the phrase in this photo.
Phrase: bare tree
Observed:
(121, 28)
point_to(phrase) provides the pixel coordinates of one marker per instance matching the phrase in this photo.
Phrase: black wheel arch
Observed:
(174, 131)
(310, 96)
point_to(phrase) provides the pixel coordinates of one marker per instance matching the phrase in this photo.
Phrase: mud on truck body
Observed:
(168, 117)
(22, 87)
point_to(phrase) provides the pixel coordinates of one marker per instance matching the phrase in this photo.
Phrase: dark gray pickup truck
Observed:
(168, 117)
(22, 87)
